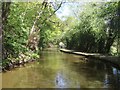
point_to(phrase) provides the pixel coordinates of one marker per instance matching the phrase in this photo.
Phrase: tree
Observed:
(93, 34)
(25, 25)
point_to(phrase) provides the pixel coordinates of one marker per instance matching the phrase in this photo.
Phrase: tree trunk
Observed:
(5, 13)
(109, 44)
(101, 45)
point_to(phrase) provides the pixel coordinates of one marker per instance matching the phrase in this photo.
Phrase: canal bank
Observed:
(112, 59)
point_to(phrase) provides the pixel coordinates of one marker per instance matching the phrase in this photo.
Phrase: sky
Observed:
(64, 11)
(68, 9)
(73, 7)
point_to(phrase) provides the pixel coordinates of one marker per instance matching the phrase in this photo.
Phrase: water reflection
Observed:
(112, 78)
(60, 70)
(60, 81)
(110, 74)
(114, 71)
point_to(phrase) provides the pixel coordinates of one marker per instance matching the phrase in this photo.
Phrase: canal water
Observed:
(55, 69)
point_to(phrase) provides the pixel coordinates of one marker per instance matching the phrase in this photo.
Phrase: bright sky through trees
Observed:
(73, 7)
(69, 9)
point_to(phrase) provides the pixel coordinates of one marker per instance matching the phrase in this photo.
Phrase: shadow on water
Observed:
(101, 71)
(59, 70)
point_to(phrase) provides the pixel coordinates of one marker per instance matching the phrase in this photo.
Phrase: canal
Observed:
(55, 69)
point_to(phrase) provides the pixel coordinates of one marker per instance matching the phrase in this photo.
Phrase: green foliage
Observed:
(97, 28)
(20, 20)
(94, 31)
(34, 56)
(15, 33)
(49, 31)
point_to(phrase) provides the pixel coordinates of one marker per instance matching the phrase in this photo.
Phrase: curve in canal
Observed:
(55, 69)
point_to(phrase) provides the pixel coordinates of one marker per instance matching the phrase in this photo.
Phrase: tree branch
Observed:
(52, 13)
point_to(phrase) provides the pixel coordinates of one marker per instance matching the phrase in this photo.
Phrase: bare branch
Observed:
(52, 13)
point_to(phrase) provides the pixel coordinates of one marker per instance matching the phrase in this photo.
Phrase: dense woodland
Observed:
(29, 27)
(97, 30)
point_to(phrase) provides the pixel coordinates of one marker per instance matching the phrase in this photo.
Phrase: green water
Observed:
(59, 70)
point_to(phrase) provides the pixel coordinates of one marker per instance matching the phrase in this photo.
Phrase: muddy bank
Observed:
(15, 64)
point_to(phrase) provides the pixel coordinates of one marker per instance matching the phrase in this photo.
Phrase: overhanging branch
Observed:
(52, 13)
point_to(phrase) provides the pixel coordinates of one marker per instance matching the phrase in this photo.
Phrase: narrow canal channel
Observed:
(59, 70)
